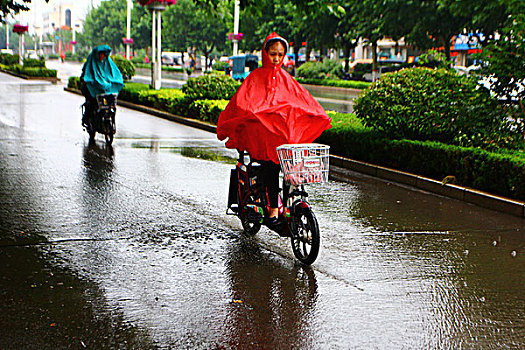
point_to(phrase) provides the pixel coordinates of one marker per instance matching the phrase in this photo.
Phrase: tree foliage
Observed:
(190, 25)
(8, 7)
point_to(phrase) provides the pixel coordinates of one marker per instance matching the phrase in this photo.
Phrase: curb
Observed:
(340, 168)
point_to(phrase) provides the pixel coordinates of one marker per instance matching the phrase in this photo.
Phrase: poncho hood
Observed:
(270, 39)
(269, 109)
(102, 77)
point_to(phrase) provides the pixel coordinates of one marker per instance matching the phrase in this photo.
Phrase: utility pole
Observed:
(128, 30)
(6, 35)
(236, 10)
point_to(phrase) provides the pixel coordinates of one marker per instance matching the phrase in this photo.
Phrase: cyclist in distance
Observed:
(269, 109)
(100, 75)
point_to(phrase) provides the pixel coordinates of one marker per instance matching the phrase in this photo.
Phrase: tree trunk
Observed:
(446, 45)
(207, 56)
(307, 52)
(347, 49)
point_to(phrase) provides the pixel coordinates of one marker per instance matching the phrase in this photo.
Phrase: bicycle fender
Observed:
(300, 205)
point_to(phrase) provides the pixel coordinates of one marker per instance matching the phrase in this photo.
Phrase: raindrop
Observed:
(495, 243)
(466, 251)
(482, 299)
(513, 253)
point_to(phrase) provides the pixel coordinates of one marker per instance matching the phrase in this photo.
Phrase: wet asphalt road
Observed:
(129, 247)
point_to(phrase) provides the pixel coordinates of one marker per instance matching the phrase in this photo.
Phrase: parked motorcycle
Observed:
(101, 118)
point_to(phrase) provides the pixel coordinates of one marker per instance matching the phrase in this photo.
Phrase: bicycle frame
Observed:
(248, 199)
(251, 186)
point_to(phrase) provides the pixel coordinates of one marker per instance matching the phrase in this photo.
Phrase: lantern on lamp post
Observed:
(20, 29)
(156, 7)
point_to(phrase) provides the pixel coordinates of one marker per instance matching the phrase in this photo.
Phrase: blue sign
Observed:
(467, 42)
(57, 37)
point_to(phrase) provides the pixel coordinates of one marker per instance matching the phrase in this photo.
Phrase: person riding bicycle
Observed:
(100, 75)
(269, 109)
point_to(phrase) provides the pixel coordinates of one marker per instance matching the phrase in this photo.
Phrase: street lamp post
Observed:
(236, 27)
(20, 29)
(156, 7)
(6, 35)
(128, 30)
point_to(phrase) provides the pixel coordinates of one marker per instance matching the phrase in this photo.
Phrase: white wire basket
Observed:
(304, 163)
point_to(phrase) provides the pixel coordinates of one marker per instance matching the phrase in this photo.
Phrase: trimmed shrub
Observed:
(319, 70)
(220, 66)
(210, 87)
(436, 105)
(209, 110)
(73, 83)
(126, 67)
(32, 71)
(8, 59)
(171, 100)
(131, 91)
(501, 173)
(337, 83)
(34, 63)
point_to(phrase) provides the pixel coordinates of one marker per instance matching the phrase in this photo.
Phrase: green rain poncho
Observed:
(102, 77)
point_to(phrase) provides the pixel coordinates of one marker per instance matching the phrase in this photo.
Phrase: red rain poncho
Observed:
(270, 109)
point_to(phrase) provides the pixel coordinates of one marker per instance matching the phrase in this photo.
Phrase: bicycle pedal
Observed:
(254, 217)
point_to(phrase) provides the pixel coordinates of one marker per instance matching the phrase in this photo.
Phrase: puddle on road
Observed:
(142, 239)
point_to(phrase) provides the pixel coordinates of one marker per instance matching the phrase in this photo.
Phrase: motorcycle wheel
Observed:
(306, 237)
(109, 129)
(91, 133)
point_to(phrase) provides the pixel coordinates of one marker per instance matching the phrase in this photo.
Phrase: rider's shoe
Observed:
(274, 224)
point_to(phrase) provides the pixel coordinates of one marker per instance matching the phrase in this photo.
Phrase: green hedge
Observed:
(34, 63)
(126, 67)
(31, 71)
(435, 105)
(334, 82)
(326, 69)
(164, 68)
(498, 173)
(211, 87)
(209, 110)
(8, 59)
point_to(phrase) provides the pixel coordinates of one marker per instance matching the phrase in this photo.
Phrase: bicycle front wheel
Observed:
(306, 238)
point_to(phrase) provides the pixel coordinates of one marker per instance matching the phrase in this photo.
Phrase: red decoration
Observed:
(18, 28)
(153, 2)
(73, 42)
(237, 37)
(127, 41)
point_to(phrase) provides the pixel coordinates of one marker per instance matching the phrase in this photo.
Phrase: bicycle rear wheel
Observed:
(249, 225)
(306, 237)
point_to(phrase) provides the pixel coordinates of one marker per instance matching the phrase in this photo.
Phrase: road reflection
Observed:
(272, 304)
